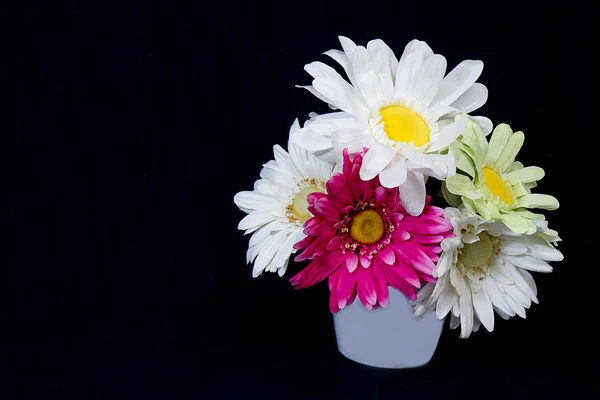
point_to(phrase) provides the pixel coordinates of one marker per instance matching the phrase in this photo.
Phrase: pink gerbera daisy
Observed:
(363, 240)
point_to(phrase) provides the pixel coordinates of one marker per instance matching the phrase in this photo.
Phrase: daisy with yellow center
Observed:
(492, 184)
(277, 207)
(402, 110)
(484, 269)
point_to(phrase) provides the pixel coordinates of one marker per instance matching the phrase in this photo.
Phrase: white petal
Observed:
(429, 79)
(376, 159)
(443, 166)
(524, 284)
(466, 314)
(394, 174)
(476, 323)
(527, 262)
(484, 123)
(515, 292)
(443, 265)
(449, 134)
(500, 273)
(253, 201)
(366, 79)
(347, 44)
(343, 96)
(267, 253)
(417, 160)
(412, 193)
(445, 303)
(352, 139)
(255, 220)
(469, 238)
(512, 248)
(497, 296)
(538, 248)
(408, 67)
(484, 310)
(517, 308)
(472, 99)
(454, 322)
(315, 93)
(308, 139)
(457, 281)
(457, 82)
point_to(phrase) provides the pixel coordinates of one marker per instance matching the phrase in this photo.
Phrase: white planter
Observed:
(388, 337)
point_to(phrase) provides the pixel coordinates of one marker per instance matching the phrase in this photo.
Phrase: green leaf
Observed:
(452, 199)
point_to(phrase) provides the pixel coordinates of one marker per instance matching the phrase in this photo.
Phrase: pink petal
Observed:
(405, 272)
(351, 261)
(327, 209)
(347, 166)
(365, 261)
(304, 242)
(411, 253)
(427, 278)
(333, 298)
(397, 218)
(345, 287)
(333, 244)
(425, 224)
(338, 191)
(366, 287)
(382, 285)
(380, 194)
(398, 283)
(387, 255)
(315, 196)
(317, 270)
(400, 235)
(427, 239)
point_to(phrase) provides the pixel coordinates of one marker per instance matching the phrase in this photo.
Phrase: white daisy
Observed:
(277, 207)
(483, 269)
(403, 111)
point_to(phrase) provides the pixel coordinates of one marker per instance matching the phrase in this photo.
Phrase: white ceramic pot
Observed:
(388, 337)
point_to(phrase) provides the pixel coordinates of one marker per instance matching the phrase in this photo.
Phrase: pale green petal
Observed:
(516, 223)
(514, 167)
(543, 201)
(493, 210)
(530, 185)
(510, 151)
(461, 185)
(499, 139)
(525, 175)
(452, 199)
(519, 190)
(465, 164)
(480, 206)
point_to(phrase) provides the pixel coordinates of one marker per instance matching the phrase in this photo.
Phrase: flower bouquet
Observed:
(349, 195)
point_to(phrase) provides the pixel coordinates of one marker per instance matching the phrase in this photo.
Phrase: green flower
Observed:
(492, 184)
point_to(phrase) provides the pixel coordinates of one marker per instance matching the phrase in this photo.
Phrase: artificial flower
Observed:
(277, 207)
(484, 268)
(493, 184)
(402, 110)
(363, 240)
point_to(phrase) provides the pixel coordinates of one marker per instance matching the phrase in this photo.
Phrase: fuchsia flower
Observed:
(363, 240)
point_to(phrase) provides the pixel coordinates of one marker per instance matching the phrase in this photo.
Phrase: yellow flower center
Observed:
(300, 204)
(497, 186)
(404, 125)
(367, 227)
(477, 254)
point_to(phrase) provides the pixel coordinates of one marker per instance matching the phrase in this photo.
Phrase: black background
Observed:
(126, 128)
